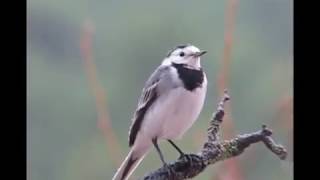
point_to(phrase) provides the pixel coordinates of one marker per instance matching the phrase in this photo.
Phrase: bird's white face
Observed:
(189, 55)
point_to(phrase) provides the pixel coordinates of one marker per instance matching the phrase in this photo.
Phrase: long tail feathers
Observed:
(128, 165)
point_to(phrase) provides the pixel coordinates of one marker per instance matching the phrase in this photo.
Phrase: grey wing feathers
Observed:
(148, 97)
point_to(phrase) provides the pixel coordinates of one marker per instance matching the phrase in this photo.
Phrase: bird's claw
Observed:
(187, 157)
(170, 171)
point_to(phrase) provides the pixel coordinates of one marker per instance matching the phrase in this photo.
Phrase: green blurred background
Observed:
(130, 40)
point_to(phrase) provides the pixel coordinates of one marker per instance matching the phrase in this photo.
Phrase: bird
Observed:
(170, 103)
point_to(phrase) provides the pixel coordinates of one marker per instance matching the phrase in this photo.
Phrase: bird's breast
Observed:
(174, 113)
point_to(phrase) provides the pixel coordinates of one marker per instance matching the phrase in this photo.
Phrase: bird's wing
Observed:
(148, 97)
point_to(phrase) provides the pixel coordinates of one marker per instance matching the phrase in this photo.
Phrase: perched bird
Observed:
(170, 103)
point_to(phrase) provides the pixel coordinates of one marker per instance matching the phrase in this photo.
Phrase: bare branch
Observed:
(98, 91)
(214, 150)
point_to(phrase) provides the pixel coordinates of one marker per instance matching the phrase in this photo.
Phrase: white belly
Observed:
(174, 113)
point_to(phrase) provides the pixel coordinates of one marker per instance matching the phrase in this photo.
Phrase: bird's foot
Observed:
(186, 157)
(171, 174)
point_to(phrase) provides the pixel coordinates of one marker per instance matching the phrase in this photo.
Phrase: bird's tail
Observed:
(130, 163)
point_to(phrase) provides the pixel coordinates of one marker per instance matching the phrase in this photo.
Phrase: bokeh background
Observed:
(87, 61)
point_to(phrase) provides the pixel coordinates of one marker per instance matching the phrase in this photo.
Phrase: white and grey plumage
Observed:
(170, 103)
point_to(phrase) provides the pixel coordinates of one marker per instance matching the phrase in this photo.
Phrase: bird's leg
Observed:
(182, 154)
(155, 143)
(176, 147)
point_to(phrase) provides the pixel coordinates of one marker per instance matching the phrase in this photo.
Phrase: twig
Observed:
(234, 172)
(215, 150)
(103, 118)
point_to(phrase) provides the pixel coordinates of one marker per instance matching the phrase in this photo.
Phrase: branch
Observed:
(98, 91)
(214, 150)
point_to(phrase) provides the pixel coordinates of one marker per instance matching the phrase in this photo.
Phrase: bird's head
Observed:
(185, 54)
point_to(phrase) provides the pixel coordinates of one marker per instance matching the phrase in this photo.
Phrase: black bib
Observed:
(191, 78)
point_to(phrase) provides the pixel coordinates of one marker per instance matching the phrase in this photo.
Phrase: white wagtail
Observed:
(170, 103)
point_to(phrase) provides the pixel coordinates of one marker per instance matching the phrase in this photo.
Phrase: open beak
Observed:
(198, 54)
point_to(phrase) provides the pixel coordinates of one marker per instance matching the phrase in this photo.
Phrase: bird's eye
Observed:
(181, 54)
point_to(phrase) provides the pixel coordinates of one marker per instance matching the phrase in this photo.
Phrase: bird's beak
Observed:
(198, 54)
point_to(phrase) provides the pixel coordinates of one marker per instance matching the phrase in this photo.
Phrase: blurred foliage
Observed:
(130, 40)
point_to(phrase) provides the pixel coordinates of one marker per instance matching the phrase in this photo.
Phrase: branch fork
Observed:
(214, 150)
